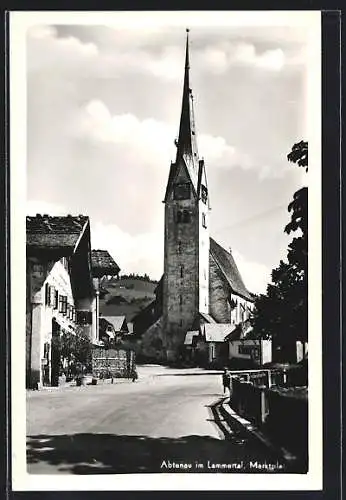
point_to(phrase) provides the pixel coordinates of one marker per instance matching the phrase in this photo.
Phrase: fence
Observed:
(109, 363)
(290, 377)
(266, 398)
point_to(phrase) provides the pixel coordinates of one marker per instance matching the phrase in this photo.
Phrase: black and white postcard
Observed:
(166, 250)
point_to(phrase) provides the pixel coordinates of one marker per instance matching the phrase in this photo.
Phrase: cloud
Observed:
(47, 51)
(34, 207)
(140, 54)
(149, 137)
(140, 253)
(270, 59)
(255, 275)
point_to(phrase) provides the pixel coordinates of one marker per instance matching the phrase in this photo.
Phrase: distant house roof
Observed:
(229, 269)
(118, 322)
(189, 337)
(217, 332)
(55, 233)
(103, 264)
(207, 317)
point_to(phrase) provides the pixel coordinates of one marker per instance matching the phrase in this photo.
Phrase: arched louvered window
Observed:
(186, 216)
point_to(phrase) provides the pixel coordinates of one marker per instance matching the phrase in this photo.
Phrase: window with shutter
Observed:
(47, 295)
(56, 299)
(64, 306)
(204, 194)
(84, 317)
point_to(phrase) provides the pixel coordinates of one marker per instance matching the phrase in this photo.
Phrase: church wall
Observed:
(219, 306)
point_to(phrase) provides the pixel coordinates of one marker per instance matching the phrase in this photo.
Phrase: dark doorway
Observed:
(55, 359)
(46, 364)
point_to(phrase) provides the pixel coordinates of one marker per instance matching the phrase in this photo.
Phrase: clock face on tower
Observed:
(182, 191)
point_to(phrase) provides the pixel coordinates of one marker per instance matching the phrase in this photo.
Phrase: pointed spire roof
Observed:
(187, 144)
(187, 152)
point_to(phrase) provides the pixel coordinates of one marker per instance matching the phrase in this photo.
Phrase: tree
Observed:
(74, 347)
(281, 313)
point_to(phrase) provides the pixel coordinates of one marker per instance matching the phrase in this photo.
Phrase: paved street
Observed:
(168, 416)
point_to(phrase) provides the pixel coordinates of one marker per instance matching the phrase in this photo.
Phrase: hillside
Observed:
(125, 296)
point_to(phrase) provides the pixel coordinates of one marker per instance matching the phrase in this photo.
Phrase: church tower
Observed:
(186, 248)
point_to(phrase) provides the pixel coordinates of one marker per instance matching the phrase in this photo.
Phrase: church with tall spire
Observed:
(186, 244)
(201, 283)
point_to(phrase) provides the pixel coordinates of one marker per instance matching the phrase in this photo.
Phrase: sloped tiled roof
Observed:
(189, 337)
(229, 269)
(49, 232)
(103, 263)
(115, 321)
(207, 317)
(217, 332)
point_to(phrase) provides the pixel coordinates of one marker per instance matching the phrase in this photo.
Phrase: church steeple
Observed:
(187, 144)
(186, 255)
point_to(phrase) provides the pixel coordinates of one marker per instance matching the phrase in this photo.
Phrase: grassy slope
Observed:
(126, 296)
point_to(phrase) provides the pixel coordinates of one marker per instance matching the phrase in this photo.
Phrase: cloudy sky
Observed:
(103, 108)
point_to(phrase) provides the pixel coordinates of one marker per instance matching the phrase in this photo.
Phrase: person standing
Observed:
(226, 381)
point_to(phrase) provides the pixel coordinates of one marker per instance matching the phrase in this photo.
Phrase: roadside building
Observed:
(60, 292)
(113, 328)
(62, 278)
(103, 265)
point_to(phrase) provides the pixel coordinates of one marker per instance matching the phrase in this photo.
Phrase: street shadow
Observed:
(117, 454)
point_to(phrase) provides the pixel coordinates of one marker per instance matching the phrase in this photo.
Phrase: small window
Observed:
(186, 216)
(46, 348)
(52, 296)
(63, 304)
(204, 220)
(181, 191)
(181, 271)
(179, 246)
(56, 299)
(84, 317)
(204, 194)
(47, 295)
(180, 299)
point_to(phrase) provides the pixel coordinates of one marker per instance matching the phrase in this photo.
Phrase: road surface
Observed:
(167, 421)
